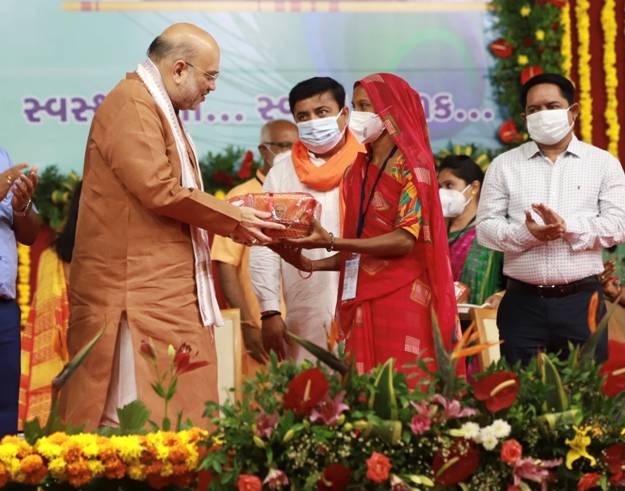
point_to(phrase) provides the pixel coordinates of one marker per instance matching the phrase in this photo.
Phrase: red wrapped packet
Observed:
(293, 210)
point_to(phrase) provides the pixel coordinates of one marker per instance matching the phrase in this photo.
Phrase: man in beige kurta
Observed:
(133, 269)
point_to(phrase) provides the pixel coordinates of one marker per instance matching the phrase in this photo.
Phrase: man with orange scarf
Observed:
(315, 165)
(393, 255)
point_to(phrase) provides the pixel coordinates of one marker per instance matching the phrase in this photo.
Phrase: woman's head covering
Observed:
(399, 106)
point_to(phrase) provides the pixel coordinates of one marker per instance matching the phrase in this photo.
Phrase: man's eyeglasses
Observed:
(210, 76)
(280, 145)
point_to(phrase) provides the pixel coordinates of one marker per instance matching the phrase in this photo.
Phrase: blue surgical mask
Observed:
(320, 135)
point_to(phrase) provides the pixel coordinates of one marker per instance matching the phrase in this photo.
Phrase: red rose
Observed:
(460, 461)
(530, 72)
(498, 390)
(378, 467)
(501, 48)
(527, 42)
(335, 478)
(588, 481)
(511, 451)
(615, 378)
(249, 482)
(305, 391)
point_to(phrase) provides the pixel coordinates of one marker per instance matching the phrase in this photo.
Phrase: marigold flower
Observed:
(540, 35)
(522, 60)
(525, 11)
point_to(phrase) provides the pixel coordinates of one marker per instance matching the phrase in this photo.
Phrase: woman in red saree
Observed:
(393, 254)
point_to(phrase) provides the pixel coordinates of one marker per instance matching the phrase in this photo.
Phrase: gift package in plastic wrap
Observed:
(293, 210)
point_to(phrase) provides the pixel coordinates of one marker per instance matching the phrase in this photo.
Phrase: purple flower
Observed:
(265, 424)
(452, 409)
(276, 479)
(329, 410)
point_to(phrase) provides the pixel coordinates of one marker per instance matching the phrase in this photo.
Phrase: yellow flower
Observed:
(522, 60)
(95, 467)
(56, 467)
(578, 447)
(128, 447)
(525, 11)
(219, 194)
(540, 35)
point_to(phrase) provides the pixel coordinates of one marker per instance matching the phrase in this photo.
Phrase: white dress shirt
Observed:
(310, 303)
(585, 186)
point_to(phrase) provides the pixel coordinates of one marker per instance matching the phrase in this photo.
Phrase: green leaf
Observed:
(74, 363)
(171, 390)
(587, 351)
(383, 400)
(158, 388)
(320, 353)
(166, 424)
(133, 417)
(556, 398)
(33, 431)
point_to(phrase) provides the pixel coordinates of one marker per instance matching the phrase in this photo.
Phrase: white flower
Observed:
(486, 433)
(489, 442)
(500, 428)
(470, 430)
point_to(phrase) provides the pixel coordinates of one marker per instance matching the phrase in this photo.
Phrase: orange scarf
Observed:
(329, 175)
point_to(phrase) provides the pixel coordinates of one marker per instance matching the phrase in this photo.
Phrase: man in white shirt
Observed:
(550, 205)
(315, 165)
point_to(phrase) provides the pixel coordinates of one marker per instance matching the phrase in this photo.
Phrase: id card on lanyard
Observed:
(350, 278)
(352, 265)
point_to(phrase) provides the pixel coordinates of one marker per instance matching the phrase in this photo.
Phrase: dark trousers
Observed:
(529, 324)
(9, 366)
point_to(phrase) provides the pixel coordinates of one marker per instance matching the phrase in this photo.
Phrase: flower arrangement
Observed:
(481, 156)
(556, 424)
(224, 170)
(530, 43)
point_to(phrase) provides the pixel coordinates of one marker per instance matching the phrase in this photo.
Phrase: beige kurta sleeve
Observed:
(134, 147)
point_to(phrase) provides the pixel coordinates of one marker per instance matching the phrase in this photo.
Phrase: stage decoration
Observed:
(324, 426)
(53, 195)
(566, 43)
(481, 156)
(583, 53)
(608, 23)
(221, 171)
(530, 43)
(23, 282)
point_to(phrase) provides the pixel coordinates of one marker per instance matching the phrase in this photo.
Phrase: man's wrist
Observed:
(25, 210)
(268, 314)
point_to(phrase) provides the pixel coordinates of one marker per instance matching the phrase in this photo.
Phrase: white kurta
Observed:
(310, 303)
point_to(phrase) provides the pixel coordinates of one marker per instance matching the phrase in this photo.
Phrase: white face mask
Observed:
(453, 202)
(320, 135)
(549, 126)
(366, 127)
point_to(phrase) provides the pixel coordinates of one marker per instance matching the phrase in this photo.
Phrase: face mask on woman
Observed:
(366, 127)
(549, 126)
(320, 135)
(453, 202)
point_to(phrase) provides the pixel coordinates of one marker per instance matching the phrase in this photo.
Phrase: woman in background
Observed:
(44, 339)
(477, 267)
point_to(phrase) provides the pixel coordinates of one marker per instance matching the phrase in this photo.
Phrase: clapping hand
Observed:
(553, 227)
(8, 177)
(23, 189)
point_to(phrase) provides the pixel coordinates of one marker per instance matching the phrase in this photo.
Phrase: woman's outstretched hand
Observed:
(319, 238)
